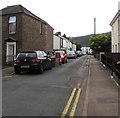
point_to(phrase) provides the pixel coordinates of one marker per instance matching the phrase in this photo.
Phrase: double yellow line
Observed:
(69, 103)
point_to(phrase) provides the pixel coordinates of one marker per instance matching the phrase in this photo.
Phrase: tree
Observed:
(78, 46)
(100, 43)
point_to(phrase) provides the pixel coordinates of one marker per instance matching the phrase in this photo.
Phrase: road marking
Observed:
(68, 104)
(75, 103)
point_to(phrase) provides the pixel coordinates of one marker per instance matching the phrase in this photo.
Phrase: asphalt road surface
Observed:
(57, 92)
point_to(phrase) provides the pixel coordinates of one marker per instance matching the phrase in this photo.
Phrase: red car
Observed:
(63, 56)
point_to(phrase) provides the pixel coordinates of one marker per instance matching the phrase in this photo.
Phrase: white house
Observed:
(62, 42)
(56, 42)
(65, 43)
(73, 47)
(86, 50)
(115, 23)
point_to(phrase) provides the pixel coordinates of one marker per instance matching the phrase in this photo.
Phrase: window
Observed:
(118, 47)
(12, 25)
(46, 30)
(27, 54)
(41, 28)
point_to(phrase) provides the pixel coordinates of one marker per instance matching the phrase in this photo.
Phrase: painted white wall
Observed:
(115, 37)
(56, 42)
(74, 47)
(65, 45)
(86, 50)
(116, 32)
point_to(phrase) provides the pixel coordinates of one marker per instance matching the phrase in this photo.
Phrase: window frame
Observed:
(12, 24)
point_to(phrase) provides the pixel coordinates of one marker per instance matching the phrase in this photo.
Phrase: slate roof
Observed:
(115, 18)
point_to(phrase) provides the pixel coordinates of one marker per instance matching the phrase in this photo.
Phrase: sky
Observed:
(71, 17)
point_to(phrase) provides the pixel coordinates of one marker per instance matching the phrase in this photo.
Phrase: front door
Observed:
(11, 52)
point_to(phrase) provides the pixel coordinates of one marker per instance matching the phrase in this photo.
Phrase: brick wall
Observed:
(32, 39)
(49, 38)
(27, 34)
(6, 35)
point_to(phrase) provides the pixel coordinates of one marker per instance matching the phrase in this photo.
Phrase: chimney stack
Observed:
(94, 26)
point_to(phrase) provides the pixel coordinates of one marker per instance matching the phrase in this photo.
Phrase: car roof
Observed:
(29, 51)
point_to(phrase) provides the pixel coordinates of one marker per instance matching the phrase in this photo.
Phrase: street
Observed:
(72, 89)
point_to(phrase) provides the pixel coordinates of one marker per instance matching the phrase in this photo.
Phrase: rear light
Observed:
(35, 60)
(17, 60)
(62, 56)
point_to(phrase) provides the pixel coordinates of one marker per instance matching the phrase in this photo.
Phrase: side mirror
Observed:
(48, 56)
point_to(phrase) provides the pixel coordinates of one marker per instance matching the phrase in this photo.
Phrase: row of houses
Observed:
(62, 42)
(22, 30)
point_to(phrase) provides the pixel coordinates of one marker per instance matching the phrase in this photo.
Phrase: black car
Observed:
(32, 60)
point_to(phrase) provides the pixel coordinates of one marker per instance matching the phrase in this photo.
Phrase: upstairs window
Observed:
(41, 26)
(12, 25)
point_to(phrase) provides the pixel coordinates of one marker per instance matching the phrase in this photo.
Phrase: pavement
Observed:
(7, 71)
(102, 93)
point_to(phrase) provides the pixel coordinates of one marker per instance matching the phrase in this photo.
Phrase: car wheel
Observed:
(50, 66)
(63, 62)
(17, 71)
(41, 69)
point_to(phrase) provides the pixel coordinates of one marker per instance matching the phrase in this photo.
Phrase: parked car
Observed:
(71, 54)
(50, 53)
(79, 53)
(63, 56)
(32, 60)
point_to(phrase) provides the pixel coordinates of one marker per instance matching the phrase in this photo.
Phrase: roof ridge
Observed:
(26, 11)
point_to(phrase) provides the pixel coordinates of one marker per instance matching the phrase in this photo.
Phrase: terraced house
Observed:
(21, 31)
(115, 23)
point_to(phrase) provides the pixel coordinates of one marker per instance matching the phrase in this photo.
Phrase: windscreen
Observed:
(27, 55)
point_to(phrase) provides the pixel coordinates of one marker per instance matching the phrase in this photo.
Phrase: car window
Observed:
(27, 54)
(39, 53)
(61, 52)
(71, 52)
(44, 54)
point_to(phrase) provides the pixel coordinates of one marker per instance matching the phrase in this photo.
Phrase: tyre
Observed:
(41, 69)
(50, 66)
(63, 62)
(17, 71)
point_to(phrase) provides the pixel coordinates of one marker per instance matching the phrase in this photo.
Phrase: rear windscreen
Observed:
(27, 55)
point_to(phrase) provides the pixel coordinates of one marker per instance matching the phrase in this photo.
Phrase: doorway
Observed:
(11, 52)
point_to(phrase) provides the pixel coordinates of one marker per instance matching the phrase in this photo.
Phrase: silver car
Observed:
(71, 54)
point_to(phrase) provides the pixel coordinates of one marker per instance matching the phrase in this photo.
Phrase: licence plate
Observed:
(25, 66)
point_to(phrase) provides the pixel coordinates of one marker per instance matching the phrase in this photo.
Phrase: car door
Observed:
(45, 60)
